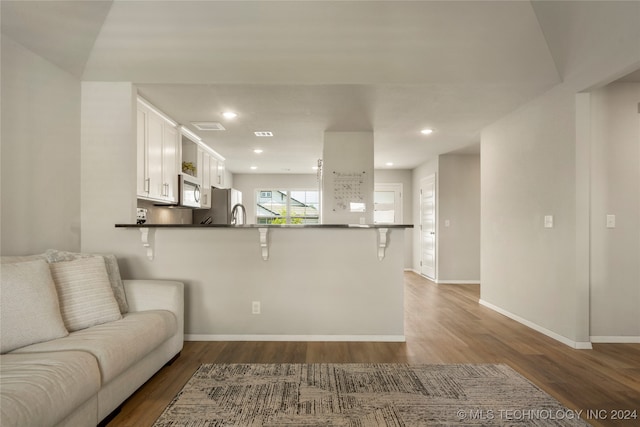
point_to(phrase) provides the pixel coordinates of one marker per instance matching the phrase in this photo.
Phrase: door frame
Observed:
(431, 177)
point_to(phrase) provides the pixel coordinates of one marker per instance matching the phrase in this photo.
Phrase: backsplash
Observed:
(165, 215)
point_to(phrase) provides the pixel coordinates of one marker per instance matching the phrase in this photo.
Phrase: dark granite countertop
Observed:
(347, 226)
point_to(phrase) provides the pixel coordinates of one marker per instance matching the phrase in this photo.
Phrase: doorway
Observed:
(428, 227)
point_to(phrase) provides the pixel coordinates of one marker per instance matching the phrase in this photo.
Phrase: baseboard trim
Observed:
(624, 339)
(458, 282)
(578, 345)
(305, 338)
(422, 275)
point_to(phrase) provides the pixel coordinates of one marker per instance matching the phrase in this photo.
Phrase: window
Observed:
(287, 207)
(387, 204)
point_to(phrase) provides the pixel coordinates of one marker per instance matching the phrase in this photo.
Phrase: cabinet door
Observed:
(170, 162)
(205, 174)
(213, 172)
(206, 169)
(141, 180)
(221, 174)
(155, 130)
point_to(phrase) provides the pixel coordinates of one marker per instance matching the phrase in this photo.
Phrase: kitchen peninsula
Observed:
(326, 282)
(318, 282)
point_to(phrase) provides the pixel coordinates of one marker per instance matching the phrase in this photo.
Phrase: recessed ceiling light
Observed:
(389, 163)
(315, 168)
(263, 133)
(229, 115)
(254, 167)
(426, 131)
(257, 151)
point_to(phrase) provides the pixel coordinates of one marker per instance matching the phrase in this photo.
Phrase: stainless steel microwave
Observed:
(189, 192)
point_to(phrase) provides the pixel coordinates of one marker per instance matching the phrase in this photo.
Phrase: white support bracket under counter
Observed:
(146, 243)
(264, 242)
(382, 242)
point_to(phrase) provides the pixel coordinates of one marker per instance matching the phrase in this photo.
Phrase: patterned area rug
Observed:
(362, 395)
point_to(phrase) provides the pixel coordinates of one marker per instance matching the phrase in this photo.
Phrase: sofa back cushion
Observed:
(84, 293)
(29, 308)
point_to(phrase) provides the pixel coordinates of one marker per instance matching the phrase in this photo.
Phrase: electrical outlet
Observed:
(611, 221)
(255, 307)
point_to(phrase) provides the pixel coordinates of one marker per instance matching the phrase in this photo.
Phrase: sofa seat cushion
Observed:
(116, 345)
(41, 389)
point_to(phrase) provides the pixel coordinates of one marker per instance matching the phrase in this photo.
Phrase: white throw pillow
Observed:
(29, 308)
(84, 293)
(54, 255)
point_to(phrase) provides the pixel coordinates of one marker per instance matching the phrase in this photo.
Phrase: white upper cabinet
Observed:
(205, 168)
(191, 159)
(166, 150)
(157, 139)
(221, 175)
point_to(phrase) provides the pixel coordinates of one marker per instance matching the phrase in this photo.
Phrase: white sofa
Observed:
(80, 378)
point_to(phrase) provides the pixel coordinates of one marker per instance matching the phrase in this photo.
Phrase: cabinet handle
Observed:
(147, 185)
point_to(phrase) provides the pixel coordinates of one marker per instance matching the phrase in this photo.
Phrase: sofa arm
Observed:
(156, 295)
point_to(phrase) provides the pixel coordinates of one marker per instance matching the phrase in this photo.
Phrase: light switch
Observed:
(611, 221)
(447, 223)
(548, 221)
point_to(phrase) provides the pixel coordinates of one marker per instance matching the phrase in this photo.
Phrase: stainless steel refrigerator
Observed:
(222, 202)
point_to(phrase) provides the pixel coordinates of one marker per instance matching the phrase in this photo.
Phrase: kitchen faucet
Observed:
(234, 214)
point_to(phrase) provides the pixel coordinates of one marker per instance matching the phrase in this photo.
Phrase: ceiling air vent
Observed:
(206, 126)
(263, 133)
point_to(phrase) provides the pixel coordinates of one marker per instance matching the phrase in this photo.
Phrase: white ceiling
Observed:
(299, 69)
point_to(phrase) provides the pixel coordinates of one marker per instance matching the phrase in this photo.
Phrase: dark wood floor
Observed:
(444, 324)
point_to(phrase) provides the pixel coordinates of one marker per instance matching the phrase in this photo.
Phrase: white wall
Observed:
(536, 161)
(347, 155)
(40, 154)
(108, 162)
(317, 283)
(528, 171)
(615, 189)
(459, 204)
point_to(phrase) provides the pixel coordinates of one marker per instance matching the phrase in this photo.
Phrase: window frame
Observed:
(287, 191)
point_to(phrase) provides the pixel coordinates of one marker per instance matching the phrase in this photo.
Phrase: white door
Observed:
(387, 204)
(428, 227)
